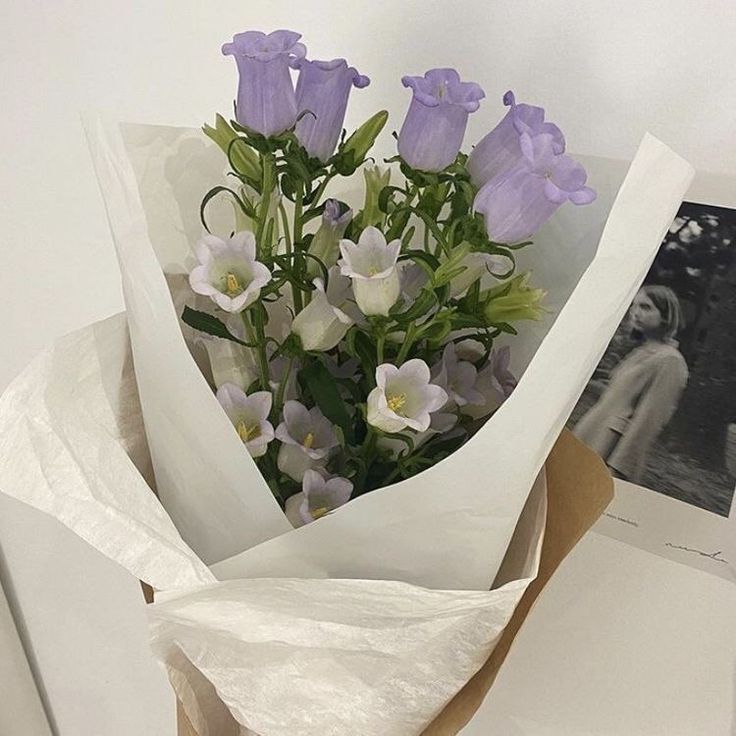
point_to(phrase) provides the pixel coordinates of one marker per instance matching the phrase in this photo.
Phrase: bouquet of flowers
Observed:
(303, 374)
(362, 352)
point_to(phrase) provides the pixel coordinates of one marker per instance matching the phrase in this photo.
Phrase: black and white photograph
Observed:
(660, 408)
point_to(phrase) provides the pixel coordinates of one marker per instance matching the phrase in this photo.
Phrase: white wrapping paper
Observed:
(72, 445)
(410, 565)
(293, 657)
(391, 533)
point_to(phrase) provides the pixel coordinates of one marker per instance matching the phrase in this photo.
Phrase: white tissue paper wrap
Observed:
(368, 620)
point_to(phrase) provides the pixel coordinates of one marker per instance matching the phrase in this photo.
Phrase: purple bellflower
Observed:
(515, 204)
(434, 126)
(499, 150)
(323, 89)
(266, 101)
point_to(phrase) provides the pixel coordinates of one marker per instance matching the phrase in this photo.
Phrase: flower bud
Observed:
(244, 159)
(325, 244)
(376, 179)
(512, 301)
(320, 326)
(354, 150)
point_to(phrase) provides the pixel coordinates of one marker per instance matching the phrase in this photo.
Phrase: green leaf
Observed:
(385, 197)
(426, 299)
(360, 346)
(405, 438)
(506, 327)
(210, 325)
(437, 332)
(467, 321)
(399, 220)
(353, 151)
(427, 261)
(249, 211)
(320, 383)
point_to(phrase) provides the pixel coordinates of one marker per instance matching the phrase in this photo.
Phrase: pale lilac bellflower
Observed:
(266, 100)
(435, 123)
(515, 204)
(500, 150)
(322, 92)
(317, 498)
(404, 397)
(229, 273)
(249, 416)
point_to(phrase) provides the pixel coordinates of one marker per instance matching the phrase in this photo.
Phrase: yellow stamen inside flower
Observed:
(321, 511)
(232, 285)
(396, 402)
(247, 433)
(309, 440)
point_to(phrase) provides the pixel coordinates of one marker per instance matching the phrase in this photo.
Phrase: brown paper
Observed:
(579, 487)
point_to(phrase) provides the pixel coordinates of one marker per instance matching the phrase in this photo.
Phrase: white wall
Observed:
(607, 71)
(22, 713)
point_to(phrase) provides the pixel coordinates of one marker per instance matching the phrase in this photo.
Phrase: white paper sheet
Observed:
(70, 430)
(391, 533)
(211, 488)
(369, 658)
(319, 657)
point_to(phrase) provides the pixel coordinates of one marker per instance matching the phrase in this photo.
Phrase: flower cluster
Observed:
(352, 348)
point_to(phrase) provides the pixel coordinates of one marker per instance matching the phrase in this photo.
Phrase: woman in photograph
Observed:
(643, 390)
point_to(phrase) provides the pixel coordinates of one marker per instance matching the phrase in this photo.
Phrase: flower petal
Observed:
(292, 509)
(260, 404)
(298, 420)
(312, 482)
(585, 195)
(245, 243)
(415, 370)
(435, 397)
(231, 397)
(339, 489)
(199, 281)
(385, 372)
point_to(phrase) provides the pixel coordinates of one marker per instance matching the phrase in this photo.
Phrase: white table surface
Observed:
(622, 642)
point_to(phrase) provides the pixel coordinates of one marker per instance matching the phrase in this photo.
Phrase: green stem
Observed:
(285, 223)
(256, 336)
(369, 445)
(279, 402)
(295, 292)
(298, 204)
(267, 184)
(406, 345)
(321, 189)
(391, 476)
(380, 341)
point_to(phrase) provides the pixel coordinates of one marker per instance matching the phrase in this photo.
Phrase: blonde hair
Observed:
(668, 305)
